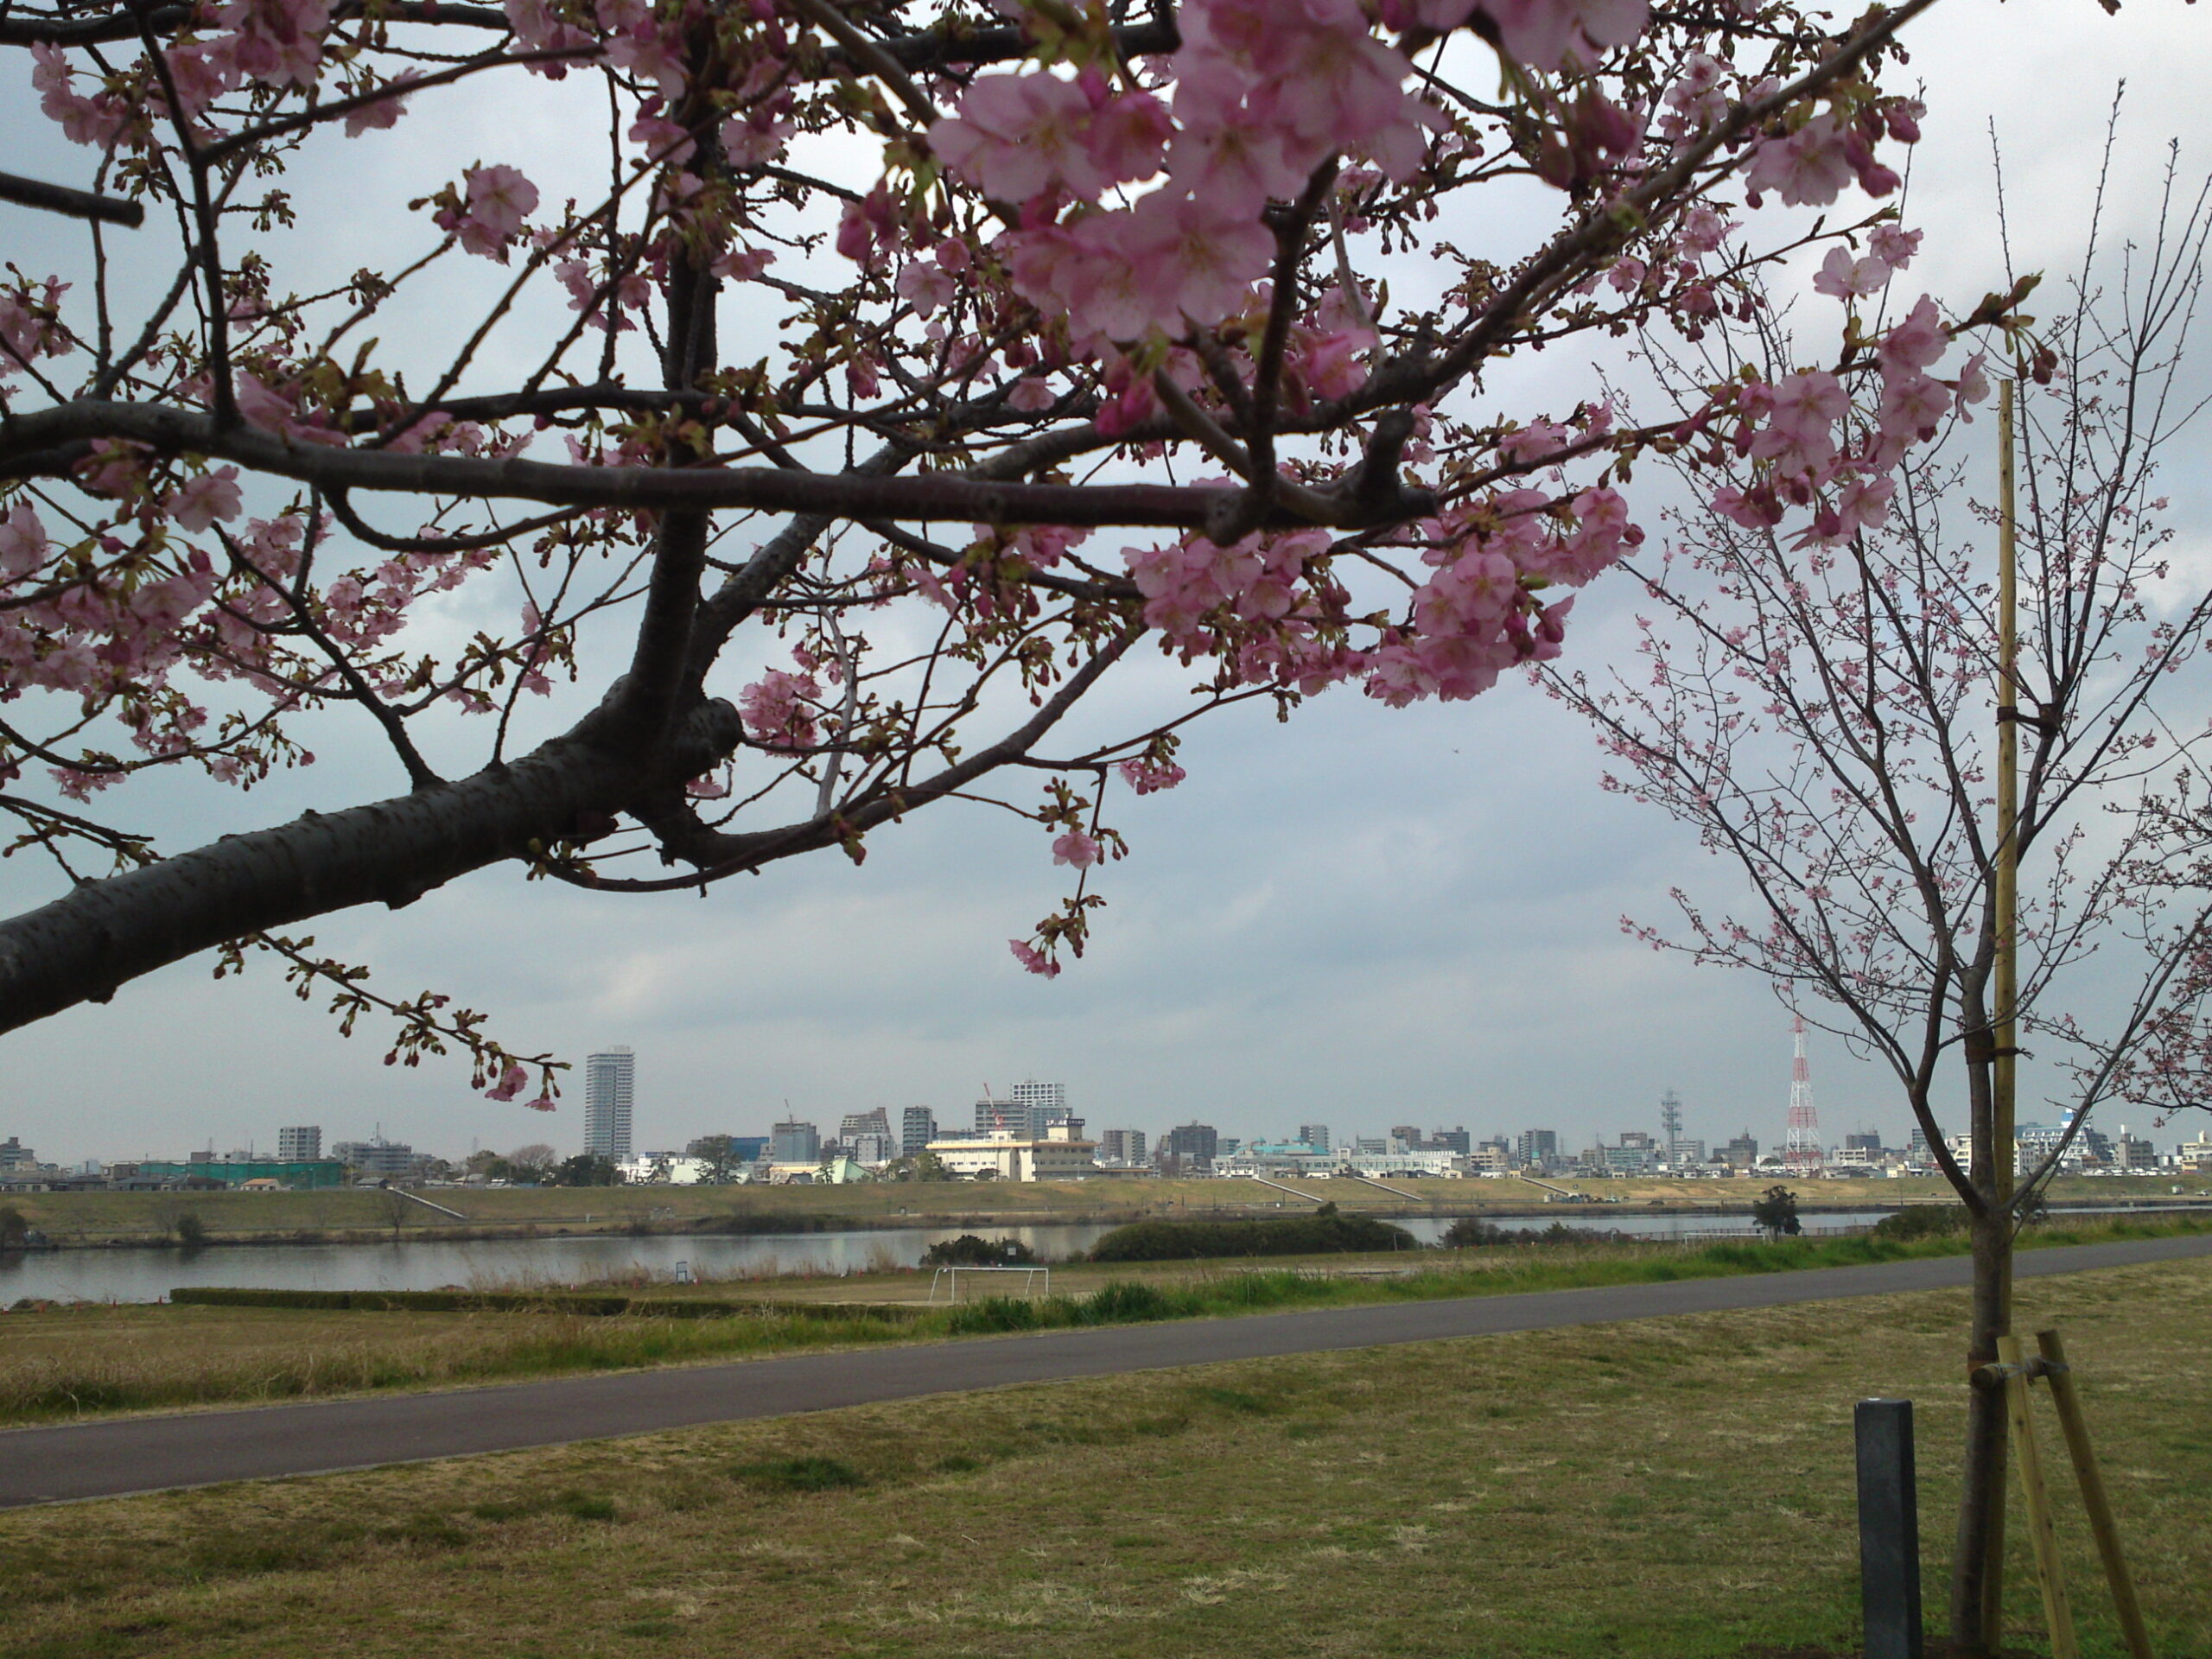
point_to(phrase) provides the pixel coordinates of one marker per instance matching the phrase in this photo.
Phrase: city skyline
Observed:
(672, 1124)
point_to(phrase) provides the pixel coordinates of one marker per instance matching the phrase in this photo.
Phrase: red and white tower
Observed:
(1801, 1150)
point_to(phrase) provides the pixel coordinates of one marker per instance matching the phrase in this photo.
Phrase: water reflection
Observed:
(147, 1275)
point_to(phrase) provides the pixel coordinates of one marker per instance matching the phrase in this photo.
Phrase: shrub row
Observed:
(481, 1301)
(1324, 1232)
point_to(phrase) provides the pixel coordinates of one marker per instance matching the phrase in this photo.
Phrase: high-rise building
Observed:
(1538, 1146)
(1742, 1152)
(870, 1149)
(794, 1141)
(1450, 1140)
(609, 1078)
(1047, 1104)
(1196, 1144)
(376, 1157)
(916, 1128)
(301, 1144)
(994, 1114)
(856, 1124)
(1315, 1135)
(1124, 1148)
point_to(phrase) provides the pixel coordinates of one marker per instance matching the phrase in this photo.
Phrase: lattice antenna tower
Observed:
(1670, 1119)
(1801, 1150)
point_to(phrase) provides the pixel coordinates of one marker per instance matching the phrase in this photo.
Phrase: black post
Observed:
(1889, 1529)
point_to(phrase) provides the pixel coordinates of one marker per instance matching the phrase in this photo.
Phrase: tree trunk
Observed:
(1976, 1564)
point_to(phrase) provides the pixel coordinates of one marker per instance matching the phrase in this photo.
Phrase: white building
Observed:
(1400, 1163)
(664, 1169)
(609, 1077)
(301, 1144)
(1061, 1154)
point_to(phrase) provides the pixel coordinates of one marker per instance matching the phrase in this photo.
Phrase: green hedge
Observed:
(1323, 1233)
(482, 1301)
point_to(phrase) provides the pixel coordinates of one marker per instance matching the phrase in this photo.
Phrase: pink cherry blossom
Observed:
(1034, 960)
(776, 712)
(206, 499)
(1893, 244)
(384, 113)
(1076, 848)
(510, 1083)
(1017, 133)
(1917, 342)
(1551, 33)
(1842, 278)
(1126, 136)
(1809, 168)
(1200, 263)
(1912, 405)
(1807, 404)
(926, 285)
(499, 199)
(277, 43)
(23, 542)
(1148, 777)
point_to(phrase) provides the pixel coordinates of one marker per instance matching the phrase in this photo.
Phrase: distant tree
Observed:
(930, 1167)
(14, 1230)
(1470, 1231)
(586, 1169)
(969, 1250)
(1776, 1212)
(394, 1208)
(718, 1153)
(533, 1161)
(490, 1166)
(191, 1232)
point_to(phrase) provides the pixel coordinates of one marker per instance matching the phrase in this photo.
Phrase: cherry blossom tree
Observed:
(876, 382)
(1821, 705)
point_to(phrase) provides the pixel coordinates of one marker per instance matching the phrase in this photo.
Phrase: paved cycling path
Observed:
(141, 1454)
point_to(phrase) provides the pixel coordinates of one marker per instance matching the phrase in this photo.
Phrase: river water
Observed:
(148, 1276)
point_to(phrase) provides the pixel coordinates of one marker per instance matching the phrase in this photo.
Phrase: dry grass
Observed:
(94, 1359)
(146, 1217)
(98, 1360)
(1674, 1489)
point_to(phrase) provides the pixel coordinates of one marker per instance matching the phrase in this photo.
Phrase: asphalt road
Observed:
(119, 1456)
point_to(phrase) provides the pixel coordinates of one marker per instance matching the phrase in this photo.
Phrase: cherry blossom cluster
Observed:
(1258, 107)
(1811, 446)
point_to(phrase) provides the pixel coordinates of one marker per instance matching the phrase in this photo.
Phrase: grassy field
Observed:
(90, 1360)
(94, 1219)
(1675, 1489)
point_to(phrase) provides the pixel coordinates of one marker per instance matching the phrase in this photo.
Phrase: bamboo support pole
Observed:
(2006, 897)
(2005, 900)
(2035, 1495)
(2102, 1525)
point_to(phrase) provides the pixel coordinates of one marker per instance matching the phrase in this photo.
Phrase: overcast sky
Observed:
(1362, 917)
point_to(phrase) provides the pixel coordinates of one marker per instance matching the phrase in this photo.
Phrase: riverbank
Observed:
(87, 1361)
(1679, 1487)
(155, 1220)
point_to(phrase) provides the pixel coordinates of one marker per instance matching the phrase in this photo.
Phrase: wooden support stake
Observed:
(2058, 1614)
(2101, 1525)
